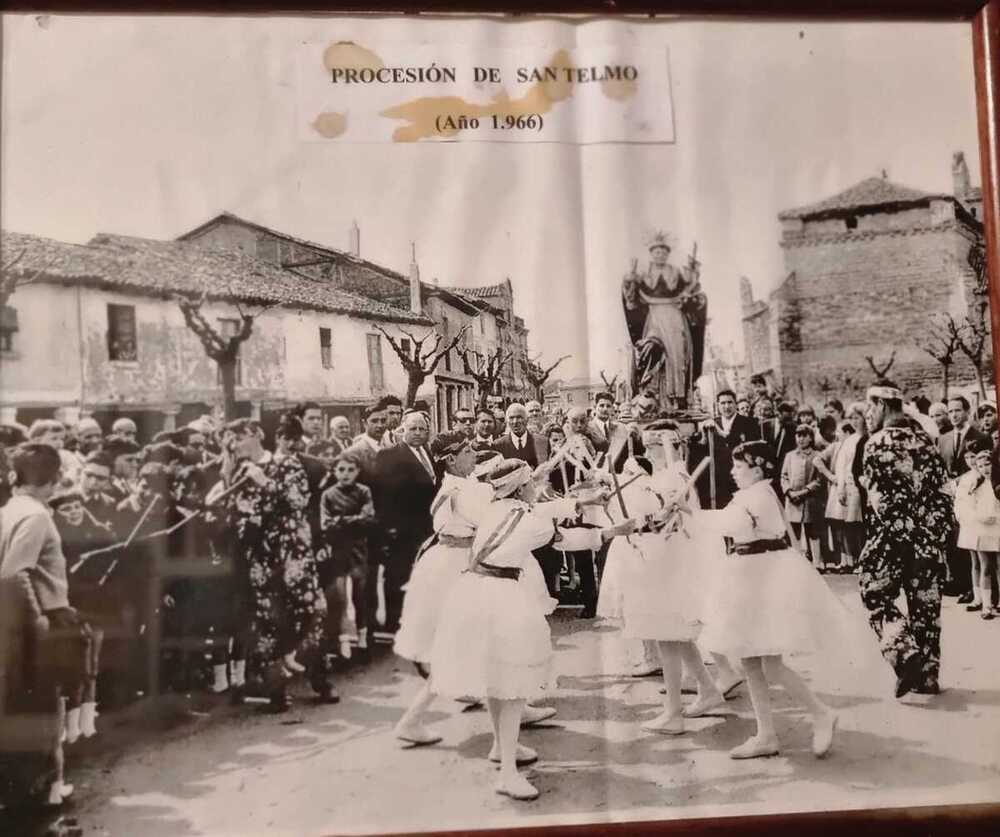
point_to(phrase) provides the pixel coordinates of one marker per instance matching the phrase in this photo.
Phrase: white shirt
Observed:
(374, 444)
(520, 442)
(423, 459)
(726, 424)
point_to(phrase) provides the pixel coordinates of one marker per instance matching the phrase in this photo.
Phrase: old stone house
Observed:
(865, 272)
(488, 312)
(98, 332)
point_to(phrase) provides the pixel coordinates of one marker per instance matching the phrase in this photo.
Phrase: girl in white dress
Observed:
(665, 592)
(460, 502)
(493, 638)
(767, 601)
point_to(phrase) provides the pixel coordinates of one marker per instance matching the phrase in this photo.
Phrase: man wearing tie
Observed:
(519, 442)
(779, 433)
(406, 484)
(340, 434)
(951, 446)
(718, 438)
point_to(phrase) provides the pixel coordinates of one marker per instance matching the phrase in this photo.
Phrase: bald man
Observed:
(405, 486)
(519, 442)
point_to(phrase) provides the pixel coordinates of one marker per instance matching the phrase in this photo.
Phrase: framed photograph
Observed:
(578, 419)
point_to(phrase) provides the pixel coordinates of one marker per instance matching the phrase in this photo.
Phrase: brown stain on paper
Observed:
(330, 124)
(350, 56)
(422, 113)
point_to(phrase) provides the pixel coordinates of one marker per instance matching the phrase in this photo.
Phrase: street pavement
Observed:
(338, 769)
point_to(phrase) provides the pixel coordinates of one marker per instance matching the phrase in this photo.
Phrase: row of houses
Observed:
(95, 329)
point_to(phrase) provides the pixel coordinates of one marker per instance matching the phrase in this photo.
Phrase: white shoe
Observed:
(292, 664)
(220, 681)
(536, 714)
(516, 787)
(704, 706)
(238, 677)
(755, 748)
(345, 648)
(59, 792)
(417, 737)
(823, 729)
(525, 755)
(665, 724)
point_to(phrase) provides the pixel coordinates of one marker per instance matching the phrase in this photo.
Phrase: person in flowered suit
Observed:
(273, 551)
(909, 521)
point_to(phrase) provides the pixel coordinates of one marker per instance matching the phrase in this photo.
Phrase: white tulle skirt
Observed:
(492, 639)
(431, 580)
(665, 589)
(620, 562)
(771, 603)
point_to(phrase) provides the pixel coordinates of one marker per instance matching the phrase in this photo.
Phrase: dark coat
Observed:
(535, 452)
(744, 429)
(404, 492)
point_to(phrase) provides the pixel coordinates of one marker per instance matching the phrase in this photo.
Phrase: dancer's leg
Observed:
(511, 783)
(727, 678)
(824, 719)
(709, 695)
(671, 720)
(410, 727)
(765, 742)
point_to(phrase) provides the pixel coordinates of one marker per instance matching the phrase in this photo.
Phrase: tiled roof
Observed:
(169, 267)
(868, 194)
(482, 292)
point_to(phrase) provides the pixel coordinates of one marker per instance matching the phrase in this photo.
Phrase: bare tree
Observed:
(609, 383)
(884, 370)
(972, 336)
(941, 343)
(10, 282)
(417, 361)
(486, 370)
(536, 375)
(225, 351)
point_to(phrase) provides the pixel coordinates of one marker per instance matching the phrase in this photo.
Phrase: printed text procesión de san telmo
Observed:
(437, 75)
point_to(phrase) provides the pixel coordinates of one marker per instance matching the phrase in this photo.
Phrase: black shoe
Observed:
(972, 608)
(927, 689)
(328, 696)
(911, 671)
(965, 598)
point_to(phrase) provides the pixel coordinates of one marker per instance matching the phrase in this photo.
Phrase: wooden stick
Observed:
(129, 539)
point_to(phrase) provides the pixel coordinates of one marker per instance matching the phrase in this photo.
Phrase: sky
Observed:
(149, 126)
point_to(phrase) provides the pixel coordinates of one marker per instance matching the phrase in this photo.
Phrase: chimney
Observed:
(354, 240)
(415, 304)
(960, 175)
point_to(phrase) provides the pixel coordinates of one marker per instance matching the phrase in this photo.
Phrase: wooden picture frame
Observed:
(984, 29)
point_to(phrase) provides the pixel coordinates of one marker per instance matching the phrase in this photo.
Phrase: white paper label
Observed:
(349, 92)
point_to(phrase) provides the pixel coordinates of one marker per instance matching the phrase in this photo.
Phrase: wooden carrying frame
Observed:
(984, 24)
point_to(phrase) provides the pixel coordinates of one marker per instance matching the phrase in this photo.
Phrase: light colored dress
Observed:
(665, 587)
(459, 505)
(767, 603)
(975, 503)
(846, 486)
(492, 638)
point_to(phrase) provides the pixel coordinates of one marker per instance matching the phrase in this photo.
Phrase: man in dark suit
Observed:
(779, 433)
(406, 484)
(519, 442)
(719, 437)
(951, 446)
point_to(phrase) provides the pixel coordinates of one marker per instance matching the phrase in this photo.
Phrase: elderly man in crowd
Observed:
(938, 412)
(340, 434)
(536, 417)
(519, 442)
(405, 486)
(125, 428)
(88, 436)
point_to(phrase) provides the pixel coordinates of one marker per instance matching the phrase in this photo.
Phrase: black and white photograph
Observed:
(454, 423)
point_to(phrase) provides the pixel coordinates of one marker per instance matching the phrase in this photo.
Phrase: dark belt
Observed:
(455, 540)
(759, 547)
(493, 571)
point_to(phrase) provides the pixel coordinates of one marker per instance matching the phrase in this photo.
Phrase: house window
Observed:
(375, 374)
(230, 328)
(325, 348)
(8, 326)
(121, 333)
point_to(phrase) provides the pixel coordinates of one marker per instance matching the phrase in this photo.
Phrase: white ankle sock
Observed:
(221, 682)
(239, 673)
(73, 725)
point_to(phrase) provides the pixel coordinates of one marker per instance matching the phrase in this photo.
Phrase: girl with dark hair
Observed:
(767, 601)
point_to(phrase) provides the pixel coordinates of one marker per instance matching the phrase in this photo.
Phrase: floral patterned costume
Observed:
(274, 549)
(909, 521)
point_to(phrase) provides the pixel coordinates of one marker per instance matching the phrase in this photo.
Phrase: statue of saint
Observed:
(666, 310)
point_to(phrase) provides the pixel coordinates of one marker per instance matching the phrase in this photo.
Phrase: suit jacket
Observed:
(617, 440)
(953, 456)
(404, 492)
(536, 450)
(316, 473)
(339, 445)
(366, 458)
(743, 429)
